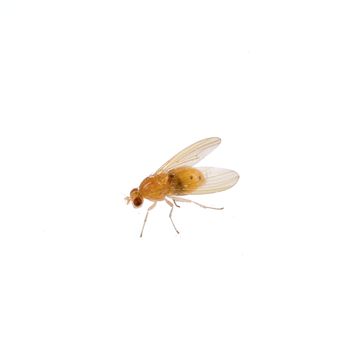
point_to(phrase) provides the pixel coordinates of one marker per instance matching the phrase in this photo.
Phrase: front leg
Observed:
(148, 210)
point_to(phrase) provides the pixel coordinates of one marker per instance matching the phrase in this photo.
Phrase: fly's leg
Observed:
(171, 213)
(180, 199)
(176, 203)
(144, 222)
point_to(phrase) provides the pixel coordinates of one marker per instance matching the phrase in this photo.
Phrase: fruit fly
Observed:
(177, 178)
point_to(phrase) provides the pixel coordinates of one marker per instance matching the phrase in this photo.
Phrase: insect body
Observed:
(177, 178)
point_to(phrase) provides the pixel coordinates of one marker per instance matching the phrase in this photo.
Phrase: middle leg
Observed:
(171, 213)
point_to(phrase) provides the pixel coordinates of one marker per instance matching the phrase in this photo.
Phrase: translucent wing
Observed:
(216, 180)
(191, 154)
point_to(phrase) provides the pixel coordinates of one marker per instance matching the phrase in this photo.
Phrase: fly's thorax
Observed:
(155, 187)
(185, 180)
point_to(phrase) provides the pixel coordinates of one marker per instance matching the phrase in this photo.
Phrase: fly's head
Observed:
(135, 197)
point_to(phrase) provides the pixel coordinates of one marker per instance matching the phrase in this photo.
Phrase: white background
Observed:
(95, 96)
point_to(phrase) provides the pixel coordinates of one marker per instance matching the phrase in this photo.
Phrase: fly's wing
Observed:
(191, 154)
(216, 180)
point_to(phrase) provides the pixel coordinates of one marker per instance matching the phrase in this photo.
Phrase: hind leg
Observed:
(180, 199)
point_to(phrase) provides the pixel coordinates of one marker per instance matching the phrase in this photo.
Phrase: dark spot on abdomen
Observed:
(175, 182)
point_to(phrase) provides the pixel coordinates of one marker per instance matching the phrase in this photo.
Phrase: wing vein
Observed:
(191, 154)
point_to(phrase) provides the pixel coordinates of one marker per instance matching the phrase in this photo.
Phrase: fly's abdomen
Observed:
(184, 180)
